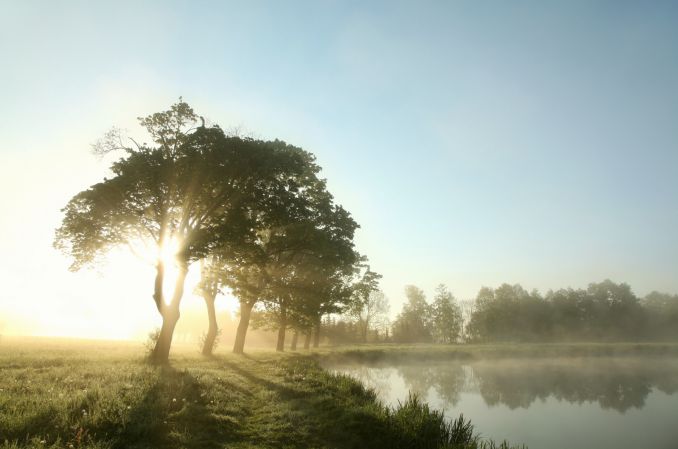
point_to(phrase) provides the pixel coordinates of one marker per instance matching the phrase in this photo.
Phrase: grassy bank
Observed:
(103, 395)
(428, 352)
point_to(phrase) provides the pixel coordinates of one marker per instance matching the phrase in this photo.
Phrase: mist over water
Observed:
(569, 403)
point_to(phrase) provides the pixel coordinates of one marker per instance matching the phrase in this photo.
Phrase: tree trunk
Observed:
(316, 335)
(158, 297)
(245, 313)
(295, 338)
(170, 316)
(213, 328)
(280, 346)
(307, 339)
(365, 328)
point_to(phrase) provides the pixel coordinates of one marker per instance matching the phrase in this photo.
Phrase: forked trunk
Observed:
(245, 313)
(213, 329)
(280, 346)
(170, 316)
(295, 338)
(307, 339)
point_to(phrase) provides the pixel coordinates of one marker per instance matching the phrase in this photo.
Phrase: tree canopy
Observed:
(258, 206)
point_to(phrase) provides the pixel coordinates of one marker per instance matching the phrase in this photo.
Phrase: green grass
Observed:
(103, 395)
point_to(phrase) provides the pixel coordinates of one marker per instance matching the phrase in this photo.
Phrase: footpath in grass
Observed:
(106, 396)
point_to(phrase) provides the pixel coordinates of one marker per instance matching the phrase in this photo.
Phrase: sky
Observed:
(476, 143)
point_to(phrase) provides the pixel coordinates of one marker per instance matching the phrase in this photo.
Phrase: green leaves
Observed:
(256, 208)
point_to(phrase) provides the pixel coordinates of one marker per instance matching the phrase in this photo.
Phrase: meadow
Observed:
(78, 394)
(89, 394)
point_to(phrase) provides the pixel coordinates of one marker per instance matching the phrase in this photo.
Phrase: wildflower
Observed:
(174, 399)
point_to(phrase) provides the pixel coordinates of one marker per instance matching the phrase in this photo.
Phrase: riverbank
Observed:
(103, 395)
(430, 352)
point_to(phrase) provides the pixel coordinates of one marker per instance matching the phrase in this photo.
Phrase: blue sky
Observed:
(475, 142)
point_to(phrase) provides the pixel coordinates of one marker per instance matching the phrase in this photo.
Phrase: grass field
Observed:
(61, 394)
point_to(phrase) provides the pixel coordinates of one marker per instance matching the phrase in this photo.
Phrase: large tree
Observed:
(194, 189)
(286, 267)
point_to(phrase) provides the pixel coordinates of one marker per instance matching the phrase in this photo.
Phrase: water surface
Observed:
(582, 403)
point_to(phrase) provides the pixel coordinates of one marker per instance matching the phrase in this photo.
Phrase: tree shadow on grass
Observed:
(312, 415)
(173, 413)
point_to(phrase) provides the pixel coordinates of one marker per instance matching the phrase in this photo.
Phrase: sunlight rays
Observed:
(167, 255)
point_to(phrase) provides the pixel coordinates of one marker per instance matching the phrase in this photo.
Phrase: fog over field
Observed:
(303, 224)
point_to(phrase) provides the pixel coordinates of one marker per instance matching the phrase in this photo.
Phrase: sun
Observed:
(114, 300)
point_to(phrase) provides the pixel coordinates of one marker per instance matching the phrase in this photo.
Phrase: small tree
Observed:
(367, 302)
(413, 324)
(446, 320)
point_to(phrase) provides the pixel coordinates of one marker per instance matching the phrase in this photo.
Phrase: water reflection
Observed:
(618, 384)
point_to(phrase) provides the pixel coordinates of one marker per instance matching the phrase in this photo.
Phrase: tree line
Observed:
(418, 322)
(604, 311)
(253, 214)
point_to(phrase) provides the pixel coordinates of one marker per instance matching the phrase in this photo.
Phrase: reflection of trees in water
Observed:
(448, 380)
(612, 383)
(378, 379)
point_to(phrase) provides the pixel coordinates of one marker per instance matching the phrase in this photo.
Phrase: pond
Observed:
(583, 403)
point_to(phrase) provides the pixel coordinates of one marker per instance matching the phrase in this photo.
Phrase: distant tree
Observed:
(568, 320)
(446, 320)
(604, 311)
(413, 324)
(372, 313)
(614, 311)
(467, 308)
(509, 313)
(367, 302)
(380, 324)
(661, 315)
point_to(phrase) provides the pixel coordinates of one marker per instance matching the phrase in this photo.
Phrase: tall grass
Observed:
(418, 426)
